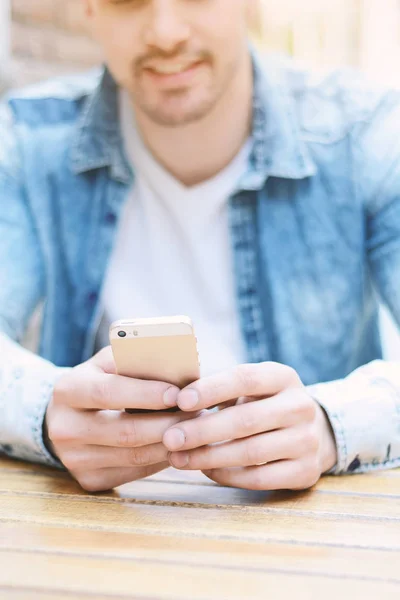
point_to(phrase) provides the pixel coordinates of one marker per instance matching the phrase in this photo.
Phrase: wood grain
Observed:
(213, 522)
(177, 581)
(177, 535)
(172, 549)
(320, 501)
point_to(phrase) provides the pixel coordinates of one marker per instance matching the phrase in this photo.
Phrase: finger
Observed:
(92, 458)
(252, 451)
(112, 428)
(102, 480)
(281, 411)
(104, 360)
(90, 389)
(283, 475)
(260, 380)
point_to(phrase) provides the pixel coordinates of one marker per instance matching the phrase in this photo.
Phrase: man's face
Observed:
(175, 57)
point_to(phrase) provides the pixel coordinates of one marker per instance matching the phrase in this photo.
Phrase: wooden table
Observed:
(179, 536)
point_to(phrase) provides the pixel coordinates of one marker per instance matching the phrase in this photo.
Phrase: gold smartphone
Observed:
(157, 349)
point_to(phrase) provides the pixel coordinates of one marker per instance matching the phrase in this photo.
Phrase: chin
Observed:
(176, 120)
(179, 108)
(179, 116)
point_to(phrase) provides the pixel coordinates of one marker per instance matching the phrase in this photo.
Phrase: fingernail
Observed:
(188, 399)
(170, 397)
(179, 460)
(174, 439)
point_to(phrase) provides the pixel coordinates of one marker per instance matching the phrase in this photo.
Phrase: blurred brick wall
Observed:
(49, 37)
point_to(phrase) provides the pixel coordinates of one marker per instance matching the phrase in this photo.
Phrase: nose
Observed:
(167, 28)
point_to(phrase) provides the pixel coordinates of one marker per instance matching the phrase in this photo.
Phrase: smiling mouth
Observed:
(175, 68)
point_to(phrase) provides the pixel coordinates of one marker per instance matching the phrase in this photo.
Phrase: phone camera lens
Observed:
(122, 334)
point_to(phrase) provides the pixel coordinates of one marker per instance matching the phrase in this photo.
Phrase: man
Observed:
(192, 177)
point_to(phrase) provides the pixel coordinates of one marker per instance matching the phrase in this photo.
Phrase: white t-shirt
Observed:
(173, 253)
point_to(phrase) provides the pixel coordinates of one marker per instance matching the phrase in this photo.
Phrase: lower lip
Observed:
(175, 80)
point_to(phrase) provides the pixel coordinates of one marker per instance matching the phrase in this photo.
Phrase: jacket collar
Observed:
(97, 141)
(278, 149)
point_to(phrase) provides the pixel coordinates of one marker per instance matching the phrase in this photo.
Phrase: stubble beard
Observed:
(159, 113)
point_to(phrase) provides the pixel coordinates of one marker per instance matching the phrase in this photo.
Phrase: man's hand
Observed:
(272, 436)
(100, 444)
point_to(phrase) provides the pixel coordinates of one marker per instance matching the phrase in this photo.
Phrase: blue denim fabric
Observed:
(315, 230)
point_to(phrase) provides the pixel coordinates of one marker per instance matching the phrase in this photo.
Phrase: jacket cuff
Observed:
(32, 394)
(26, 387)
(364, 411)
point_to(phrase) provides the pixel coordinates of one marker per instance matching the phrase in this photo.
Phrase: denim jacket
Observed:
(315, 232)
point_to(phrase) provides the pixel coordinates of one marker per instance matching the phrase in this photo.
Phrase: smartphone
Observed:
(157, 349)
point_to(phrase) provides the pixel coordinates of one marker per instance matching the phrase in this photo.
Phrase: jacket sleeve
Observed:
(26, 387)
(364, 408)
(26, 380)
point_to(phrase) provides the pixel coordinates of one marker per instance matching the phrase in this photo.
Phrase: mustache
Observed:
(183, 55)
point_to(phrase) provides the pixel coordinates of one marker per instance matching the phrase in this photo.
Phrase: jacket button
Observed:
(92, 297)
(111, 218)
